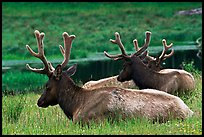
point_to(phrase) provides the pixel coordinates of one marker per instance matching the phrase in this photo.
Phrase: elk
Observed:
(145, 76)
(109, 82)
(83, 105)
(151, 62)
(112, 81)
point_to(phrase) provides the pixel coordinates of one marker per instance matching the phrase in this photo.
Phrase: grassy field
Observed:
(21, 115)
(94, 24)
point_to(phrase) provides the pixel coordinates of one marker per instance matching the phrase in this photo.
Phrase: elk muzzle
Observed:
(42, 102)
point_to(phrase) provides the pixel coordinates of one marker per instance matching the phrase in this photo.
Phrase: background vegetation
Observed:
(93, 24)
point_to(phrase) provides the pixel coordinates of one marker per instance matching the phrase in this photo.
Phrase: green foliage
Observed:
(94, 24)
(190, 67)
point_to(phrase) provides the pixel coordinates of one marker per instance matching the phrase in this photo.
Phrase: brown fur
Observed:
(109, 82)
(168, 80)
(146, 71)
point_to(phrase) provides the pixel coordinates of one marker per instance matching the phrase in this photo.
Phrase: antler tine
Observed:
(119, 43)
(67, 48)
(163, 56)
(115, 57)
(40, 55)
(148, 57)
(135, 42)
(144, 47)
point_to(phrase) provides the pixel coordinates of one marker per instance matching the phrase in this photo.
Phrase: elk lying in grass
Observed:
(109, 82)
(151, 62)
(144, 76)
(84, 105)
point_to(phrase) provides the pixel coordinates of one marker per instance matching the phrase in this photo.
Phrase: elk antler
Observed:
(47, 69)
(147, 41)
(117, 41)
(163, 55)
(67, 48)
(155, 61)
(124, 54)
(144, 47)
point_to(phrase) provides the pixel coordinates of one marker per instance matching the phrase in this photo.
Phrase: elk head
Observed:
(49, 96)
(138, 57)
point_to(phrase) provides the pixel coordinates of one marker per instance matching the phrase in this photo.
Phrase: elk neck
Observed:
(143, 76)
(70, 96)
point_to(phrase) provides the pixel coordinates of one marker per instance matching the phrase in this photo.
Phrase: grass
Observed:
(94, 24)
(14, 82)
(21, 115)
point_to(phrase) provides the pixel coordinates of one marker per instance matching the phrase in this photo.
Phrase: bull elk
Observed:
(82, 105)
(149, 74)
(151, 62)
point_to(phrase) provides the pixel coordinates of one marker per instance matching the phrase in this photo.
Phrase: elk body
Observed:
(109, 82)
(84, 105)
(149, 74)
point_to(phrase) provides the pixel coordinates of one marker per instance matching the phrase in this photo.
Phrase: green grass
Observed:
(15, 82)
(21, 115)
(94, 24)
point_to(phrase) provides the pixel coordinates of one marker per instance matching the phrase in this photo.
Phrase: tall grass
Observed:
(14, 108)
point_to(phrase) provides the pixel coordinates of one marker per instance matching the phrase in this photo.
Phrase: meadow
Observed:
(93, 24)
(21, 115)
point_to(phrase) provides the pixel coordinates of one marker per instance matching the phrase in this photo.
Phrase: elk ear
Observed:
(58, 72)
(71, 70)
